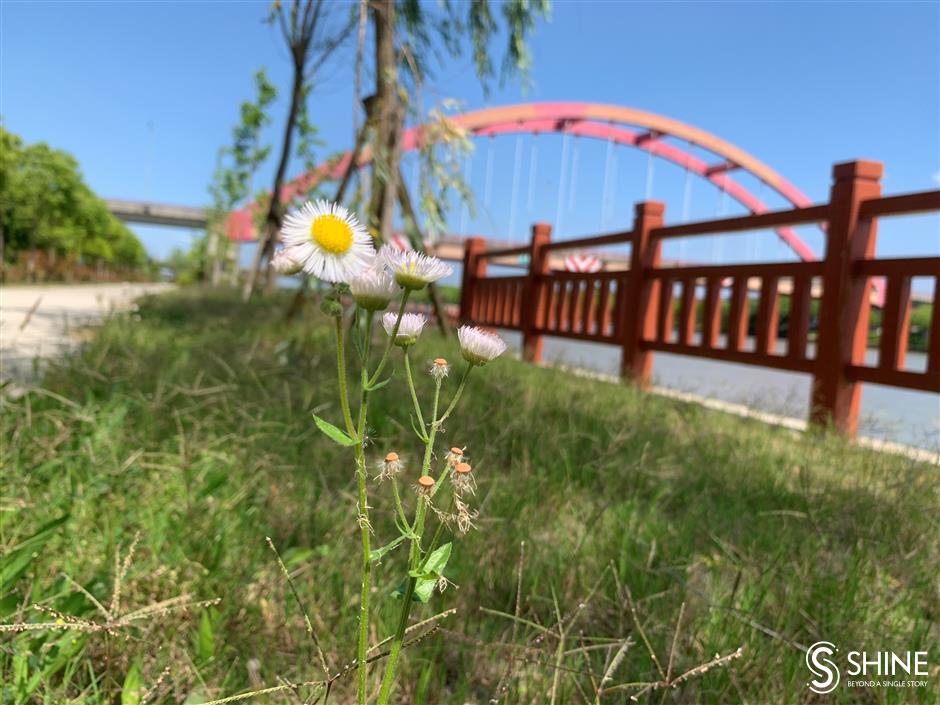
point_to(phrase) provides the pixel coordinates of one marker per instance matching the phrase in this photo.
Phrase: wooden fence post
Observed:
(474, 267)
(636, 302)
(533, 300)
(843, 314)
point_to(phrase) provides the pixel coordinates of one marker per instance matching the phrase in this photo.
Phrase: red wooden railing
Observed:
(636, 308)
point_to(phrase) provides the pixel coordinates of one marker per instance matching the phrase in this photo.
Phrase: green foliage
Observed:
(428, 28)
(193, 427)
(236, 164)
(45, 203)
(429, 32)
(189, 266)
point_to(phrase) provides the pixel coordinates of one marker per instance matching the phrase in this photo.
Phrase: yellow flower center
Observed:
(331, 233)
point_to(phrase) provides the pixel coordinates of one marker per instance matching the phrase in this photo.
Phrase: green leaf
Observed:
(130, 691)
(427, 576)
(379, 552)
(378, 385)
(15, 563)
(334, 434)
(424, 589)
(420, 433)
(437, 561)
(205, 638)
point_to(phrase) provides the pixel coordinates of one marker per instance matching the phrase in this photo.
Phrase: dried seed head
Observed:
(464, 482)
(455, 456)
(390, 467)
(439, 369)
(425, 485)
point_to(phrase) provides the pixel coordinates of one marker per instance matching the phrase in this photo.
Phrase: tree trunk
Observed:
(388, 127)
(272, 221)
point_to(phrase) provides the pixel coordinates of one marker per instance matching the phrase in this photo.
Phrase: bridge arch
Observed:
(596, 120)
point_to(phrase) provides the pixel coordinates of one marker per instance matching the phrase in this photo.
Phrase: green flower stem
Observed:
(414, 394)
(457, 395)
(388, 679)
(341, 373)
(364, 528)
(391, 339)
(398, 505)
(364, 525)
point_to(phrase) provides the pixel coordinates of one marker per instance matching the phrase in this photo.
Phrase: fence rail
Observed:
(704, 310)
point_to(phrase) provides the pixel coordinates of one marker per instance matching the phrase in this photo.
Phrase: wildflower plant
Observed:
(330, 243)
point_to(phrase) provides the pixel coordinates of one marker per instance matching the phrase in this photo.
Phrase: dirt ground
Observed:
(38, 322)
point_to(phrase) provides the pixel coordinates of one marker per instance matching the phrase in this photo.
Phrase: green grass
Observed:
(192, 427)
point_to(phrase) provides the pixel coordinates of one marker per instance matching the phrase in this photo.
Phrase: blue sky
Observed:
(144, 94)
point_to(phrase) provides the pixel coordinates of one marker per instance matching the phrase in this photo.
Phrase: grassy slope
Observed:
(193, 427)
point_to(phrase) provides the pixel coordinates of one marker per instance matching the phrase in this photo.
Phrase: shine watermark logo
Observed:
(823, 668)
(864, 669)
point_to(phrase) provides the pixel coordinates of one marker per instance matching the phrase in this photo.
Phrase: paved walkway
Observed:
(44, 321)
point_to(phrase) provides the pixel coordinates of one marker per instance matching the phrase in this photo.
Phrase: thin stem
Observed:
(398, 505)
(457, 395)
(341, 372)
(391, 338)
(414, 394)
(364, 529)
(364, 524)
(414, 557)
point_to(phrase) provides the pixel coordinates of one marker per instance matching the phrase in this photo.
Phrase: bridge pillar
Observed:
(474, 268)
(533, 301)
(637, 293)
(843, 314)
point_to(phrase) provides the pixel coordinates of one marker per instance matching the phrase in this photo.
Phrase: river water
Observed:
(888, 413)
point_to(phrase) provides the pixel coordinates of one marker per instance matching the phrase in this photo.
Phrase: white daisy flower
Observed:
(373, 289)
(412, 269)
(328, 241)
(408, 330)
(479, 347)
(286, 261)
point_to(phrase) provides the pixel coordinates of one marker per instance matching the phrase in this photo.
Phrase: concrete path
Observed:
(38, 322)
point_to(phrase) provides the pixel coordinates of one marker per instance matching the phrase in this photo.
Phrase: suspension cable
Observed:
(533, 168)
(516, 168)
(488, 180)
(573, 187)
(649, 174)
(605, 194)
(561, 181)
(468, 180)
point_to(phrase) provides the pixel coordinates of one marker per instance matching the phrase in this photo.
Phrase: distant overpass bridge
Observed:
(157, 213)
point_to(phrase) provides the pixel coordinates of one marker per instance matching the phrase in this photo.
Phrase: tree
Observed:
(236, 166)
(312, 31)
(46, 204)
